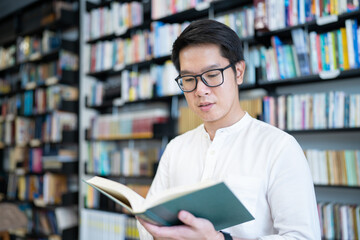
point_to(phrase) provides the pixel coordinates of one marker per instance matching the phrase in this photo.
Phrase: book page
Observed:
(176, 192)
(132, 201)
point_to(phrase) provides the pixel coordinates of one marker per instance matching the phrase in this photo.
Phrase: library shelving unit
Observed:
(127, 69)
(39, 75)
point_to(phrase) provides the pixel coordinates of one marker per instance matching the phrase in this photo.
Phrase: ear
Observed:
(240, 70)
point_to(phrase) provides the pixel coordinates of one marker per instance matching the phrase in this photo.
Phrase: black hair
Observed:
(209, 31)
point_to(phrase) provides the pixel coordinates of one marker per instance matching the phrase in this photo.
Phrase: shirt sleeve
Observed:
(291, 196)
(159, 184)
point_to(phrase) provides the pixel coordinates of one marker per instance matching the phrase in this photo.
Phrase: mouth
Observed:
(206, 106)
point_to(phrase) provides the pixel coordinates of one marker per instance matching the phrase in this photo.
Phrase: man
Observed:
(264, 166)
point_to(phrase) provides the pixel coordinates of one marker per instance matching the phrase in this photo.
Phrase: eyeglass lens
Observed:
(211, 78)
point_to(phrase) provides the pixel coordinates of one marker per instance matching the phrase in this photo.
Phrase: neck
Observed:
(212, 127)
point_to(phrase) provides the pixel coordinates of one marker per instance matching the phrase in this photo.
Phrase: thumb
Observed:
(187, 218)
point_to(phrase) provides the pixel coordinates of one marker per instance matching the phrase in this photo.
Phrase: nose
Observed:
(201, 88)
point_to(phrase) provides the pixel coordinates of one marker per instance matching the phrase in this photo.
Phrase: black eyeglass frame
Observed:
(202, 79)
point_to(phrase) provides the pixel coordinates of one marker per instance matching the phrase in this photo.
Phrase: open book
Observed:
(210, 200)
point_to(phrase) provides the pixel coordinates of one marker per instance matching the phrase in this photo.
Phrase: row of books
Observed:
(295, 112)
(43, 129)
(241, 21)
(142, 46)
(50, 222)
(164, 36)
(312, 53)
(107, 225)
(273, 14)
(128, 124)
(38, 101)
(8, 83)
(115, 19)
(96, 95)
(7, 56)
(335, 109)
(36, 75)
(159, 81)
(330, 167)
(45, 222)
(32, 75)
(339, 221)
(144, 84)
(41, 189)
(253, 64)
(38, 159)
(54, 222)
(68, 60)
(33, 47)
(163, 8)
(309, 54)
(341, 48)
(164, 79)
(115, 54)
(108, 158)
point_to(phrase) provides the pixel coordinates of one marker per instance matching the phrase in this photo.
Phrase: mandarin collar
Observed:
(230, 129)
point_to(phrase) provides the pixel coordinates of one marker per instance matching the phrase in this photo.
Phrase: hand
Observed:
(194, 228)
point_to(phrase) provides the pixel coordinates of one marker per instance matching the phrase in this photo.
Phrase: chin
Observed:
(208, 119)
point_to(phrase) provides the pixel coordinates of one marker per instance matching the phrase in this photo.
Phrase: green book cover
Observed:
(340, 49)
(350, 164)
(210, 200)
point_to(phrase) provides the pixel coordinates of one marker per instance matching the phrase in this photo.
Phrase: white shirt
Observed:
(265, 168)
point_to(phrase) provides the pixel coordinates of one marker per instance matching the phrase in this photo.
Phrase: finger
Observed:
(160, 231)
(146, 224)
(187, 218)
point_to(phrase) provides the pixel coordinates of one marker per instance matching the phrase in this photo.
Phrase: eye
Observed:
(188, 79)
(212, 74)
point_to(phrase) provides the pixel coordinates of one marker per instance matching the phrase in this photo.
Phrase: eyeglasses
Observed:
(211, 78)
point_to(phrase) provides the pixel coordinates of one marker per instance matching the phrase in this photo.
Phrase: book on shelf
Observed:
(210, 200)
(66, 217)
(339, 221)
(117, 225)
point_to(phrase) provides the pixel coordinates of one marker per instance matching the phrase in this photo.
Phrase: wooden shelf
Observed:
(202, 11)
(328, 130)
(352, 73)
(125, 34)
(109, 103)
(311, 26)
(133, 136)
(104, 74)
(337, 186)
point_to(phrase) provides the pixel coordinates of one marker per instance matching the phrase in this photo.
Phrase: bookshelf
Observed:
(39, 75)
(257, 43)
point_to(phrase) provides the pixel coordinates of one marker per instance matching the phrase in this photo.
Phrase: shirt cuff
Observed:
(143, 233)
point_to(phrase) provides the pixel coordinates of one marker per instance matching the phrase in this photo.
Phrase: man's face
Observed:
(214, 105)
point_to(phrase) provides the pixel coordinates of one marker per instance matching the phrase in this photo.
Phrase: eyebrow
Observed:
(183, 72)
